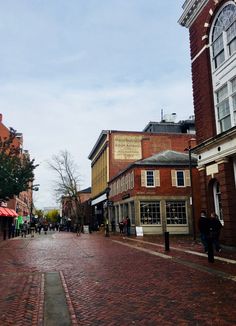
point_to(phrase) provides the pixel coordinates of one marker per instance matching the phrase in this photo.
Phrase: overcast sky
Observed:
(71, 68)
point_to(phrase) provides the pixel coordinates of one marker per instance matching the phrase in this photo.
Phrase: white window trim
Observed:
(156, 178)
(223, 74)
(186, 175)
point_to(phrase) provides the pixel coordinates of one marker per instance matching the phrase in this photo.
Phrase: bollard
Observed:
(107, 230)
(167, 242)
(210, 251)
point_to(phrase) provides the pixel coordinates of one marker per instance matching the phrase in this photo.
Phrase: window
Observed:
(224, 35)
(132, 210)
(223, 109)
(217, 201)
(150, 212)
(150, 178)
(176, 212)
(180, 178)
(223, 48)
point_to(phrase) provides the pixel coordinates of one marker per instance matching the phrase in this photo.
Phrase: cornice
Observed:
(191, 11)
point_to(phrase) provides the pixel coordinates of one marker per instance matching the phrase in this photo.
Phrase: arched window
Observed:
(224, 34)
(223, 56)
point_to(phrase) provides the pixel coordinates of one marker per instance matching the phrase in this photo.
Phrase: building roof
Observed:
(165, 158)
(86, 191)
(168, 157)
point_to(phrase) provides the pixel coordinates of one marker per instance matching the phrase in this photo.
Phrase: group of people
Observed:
(124, 226)
(210, 227)
(32, 228)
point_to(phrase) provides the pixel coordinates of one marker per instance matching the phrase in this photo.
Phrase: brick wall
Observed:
(151, 144)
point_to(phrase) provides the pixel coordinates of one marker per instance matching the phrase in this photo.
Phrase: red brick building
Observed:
(21, 203)
(156, 194)
(69, 210)
(115, 150)
(212, 28)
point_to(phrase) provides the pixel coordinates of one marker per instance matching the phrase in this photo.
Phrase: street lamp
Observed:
(189, 149)
(33, 188)
(107, 213)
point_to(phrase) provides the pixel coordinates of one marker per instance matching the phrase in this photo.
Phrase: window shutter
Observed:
(132, 180)
(187, 178)
(173, 178)
(143, 178)
(157, 178)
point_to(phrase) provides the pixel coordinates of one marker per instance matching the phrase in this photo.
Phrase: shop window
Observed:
(150, 212)
(176, 212)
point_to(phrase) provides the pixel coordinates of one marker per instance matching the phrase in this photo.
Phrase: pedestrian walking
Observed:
(128, 225)
(203, 225)
(24, 229)
(32, 228)
(113, 226)
(215, 229)
(121, 227)
(45, 228)
(78, 229)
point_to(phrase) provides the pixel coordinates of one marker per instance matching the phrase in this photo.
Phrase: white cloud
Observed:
(72, 68)
(53, 119)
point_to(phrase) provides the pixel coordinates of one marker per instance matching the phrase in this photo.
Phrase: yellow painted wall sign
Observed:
(127, 147)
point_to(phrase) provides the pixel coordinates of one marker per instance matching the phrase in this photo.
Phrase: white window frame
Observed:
(174, 216)
(223, 74)
(186, 177)
(217, 201)
(156, 178)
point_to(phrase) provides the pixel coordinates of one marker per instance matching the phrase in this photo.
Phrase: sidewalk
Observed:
(185, 250)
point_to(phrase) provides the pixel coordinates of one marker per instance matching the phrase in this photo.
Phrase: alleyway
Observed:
(113, 281)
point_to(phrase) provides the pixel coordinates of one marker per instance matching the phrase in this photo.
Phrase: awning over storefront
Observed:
(7, 212)
(99, 199)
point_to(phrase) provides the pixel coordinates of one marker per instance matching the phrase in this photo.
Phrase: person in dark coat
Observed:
(215, 227)
(203, 225)
(128, 225)
(121, 227)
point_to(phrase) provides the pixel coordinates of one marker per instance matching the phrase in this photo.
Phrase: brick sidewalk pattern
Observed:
(110, 281)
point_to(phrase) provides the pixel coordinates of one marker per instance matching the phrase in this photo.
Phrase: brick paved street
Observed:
(116, 281)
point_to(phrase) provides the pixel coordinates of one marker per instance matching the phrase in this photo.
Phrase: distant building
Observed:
(212, 29)
(21, 204)
(167, 125)
(69, 207)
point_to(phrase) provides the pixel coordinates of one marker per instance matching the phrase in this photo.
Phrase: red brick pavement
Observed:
(108, 283)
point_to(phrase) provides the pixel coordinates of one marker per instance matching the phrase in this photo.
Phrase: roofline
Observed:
(220, 137)
(101, 136)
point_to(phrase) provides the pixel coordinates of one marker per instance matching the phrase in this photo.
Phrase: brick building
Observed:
(115, 150)
(212, 29)
(155, 193)
(69, 210)
(21, 204)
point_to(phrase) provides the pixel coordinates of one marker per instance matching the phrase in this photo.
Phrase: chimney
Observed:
(0, 117)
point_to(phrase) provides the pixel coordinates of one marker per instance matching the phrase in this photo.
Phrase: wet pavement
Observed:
(116, 281)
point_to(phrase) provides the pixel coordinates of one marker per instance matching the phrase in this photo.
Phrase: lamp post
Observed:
(33, 188)
(107, 213)
(191, 182)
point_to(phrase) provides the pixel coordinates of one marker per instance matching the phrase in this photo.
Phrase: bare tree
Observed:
(67, 183)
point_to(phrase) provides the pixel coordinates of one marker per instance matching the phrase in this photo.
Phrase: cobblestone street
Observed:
(117, 281)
